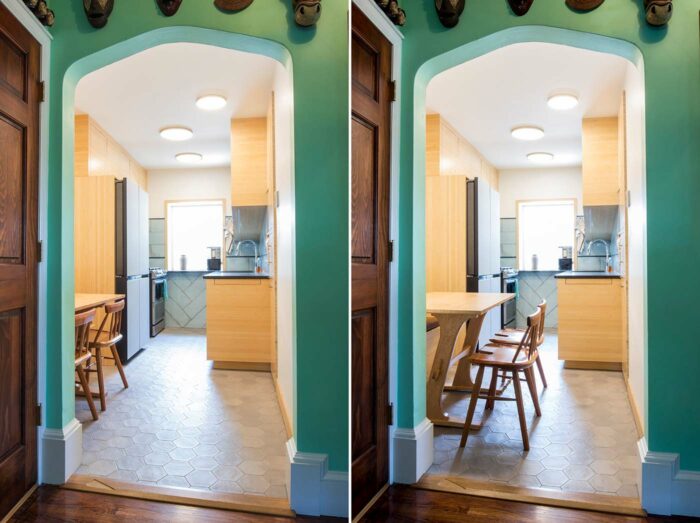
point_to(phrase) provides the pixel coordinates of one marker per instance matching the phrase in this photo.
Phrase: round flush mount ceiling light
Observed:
(527, 133)
(176, 134)
(562, 101)
(188, 157)
(540, 157)
(211, 102)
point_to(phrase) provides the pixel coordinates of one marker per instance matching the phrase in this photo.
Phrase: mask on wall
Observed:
(307, 12)
(232, 5)
(520, 7)
(584, 5)
(98, 11)
(659, 12)
(449, 11)
(169, 7)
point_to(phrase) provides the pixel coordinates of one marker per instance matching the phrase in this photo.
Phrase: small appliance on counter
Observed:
(214, 261)
(566, 261)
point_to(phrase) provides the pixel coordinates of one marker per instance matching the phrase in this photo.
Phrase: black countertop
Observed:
(589, 274)
(236, 275)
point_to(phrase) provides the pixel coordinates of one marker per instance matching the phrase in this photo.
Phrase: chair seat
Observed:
(497, 356)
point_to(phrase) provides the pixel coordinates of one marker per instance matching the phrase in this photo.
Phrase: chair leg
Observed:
(118, 363)
(86, 389)
(521, 410)
(532, 385)
(540, 368)
(472, 405)
(491, 403)
(101, 379)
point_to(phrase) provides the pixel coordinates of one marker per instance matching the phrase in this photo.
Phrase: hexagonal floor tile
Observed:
(150, 473)
(254, 484)
(552, 478)
(201, 478)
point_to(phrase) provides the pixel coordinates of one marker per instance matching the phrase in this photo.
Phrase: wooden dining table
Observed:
(453, 310)
(84, 302)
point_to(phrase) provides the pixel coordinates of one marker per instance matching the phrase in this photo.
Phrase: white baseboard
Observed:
(413, 452)
(314, 490)
(667, 490)
(62, 452)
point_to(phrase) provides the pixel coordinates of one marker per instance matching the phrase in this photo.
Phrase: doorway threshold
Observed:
(182, 496)
(621, 505)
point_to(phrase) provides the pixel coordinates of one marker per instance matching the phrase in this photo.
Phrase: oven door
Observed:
(508, 309)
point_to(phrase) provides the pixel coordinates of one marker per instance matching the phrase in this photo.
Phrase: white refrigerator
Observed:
(132, 277)
(484, 249)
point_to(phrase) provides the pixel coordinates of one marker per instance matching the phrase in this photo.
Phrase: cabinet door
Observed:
(97, 151)
(133, 315)
(133, 230)
(249, 161)
(495, 241)
(143, 232)
(144, 312)
(484, 223)
(600, 165)
(449, 151)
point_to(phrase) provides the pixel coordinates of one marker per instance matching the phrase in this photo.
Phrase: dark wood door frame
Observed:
(370, 250)
(20, 57)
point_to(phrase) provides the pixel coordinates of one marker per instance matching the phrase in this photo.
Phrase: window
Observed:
(544, 227)
(193, 227)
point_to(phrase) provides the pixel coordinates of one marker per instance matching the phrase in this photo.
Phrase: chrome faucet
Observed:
(608, 261)
(255, 247)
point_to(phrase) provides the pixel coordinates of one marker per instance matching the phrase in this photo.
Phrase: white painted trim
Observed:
(63, 452)
(315, 490)
(413, 452)
(388, 29)
(666, 489)
(38, 31)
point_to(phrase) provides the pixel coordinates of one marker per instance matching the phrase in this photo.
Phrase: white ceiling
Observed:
(488, 96)
(136, 97)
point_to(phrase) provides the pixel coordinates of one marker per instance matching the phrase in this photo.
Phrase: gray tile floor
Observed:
(585, 441)
(181, 423)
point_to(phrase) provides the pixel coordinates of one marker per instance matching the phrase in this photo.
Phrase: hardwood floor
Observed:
(407, 504)
(56, 505)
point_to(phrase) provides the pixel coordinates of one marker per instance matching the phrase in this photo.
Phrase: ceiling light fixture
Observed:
(540, 157)
(527, 133)
(211, 102)
(188, 157)
(562, 101)
(176, 134)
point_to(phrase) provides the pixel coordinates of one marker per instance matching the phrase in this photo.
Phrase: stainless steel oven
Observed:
(509, 284)
(158, 296)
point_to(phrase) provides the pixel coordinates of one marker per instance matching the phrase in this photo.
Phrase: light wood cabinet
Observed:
(249, 161)
(239, 329)
(601, 182)
(591, 329)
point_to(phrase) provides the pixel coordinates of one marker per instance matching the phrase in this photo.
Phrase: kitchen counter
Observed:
(588, 274)
(235, 275)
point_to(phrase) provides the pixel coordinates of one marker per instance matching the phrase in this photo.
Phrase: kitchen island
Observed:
(239, 320)
(591, 320)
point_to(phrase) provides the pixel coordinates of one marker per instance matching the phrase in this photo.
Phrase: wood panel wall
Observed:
(249, 159)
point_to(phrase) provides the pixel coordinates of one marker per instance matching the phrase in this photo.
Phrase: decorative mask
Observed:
(659, 12)
(232, 5)
(449, 11)
(520, 7)
(98, 11)
(307, 12)
(584, 5)
(169, 7)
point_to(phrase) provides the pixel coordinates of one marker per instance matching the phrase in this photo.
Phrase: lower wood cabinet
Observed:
(239, 323)
(590, 322)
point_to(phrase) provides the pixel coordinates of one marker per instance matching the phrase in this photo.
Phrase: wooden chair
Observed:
(107, 337)
(503, 359)
(513, 338)
(83, 356)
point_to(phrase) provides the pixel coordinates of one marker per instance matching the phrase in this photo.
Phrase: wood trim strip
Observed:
(242, 365)
(288, 426)
(18, 505)
(635, 411)
(553, 498)
(196, 498)
(371, 503)
(613, 366)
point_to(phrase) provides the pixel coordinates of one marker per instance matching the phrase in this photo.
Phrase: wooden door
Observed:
(371, 120)
(19, 145)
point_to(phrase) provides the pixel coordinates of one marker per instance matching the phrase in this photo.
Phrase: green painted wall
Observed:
(672, 69)
(320, 67)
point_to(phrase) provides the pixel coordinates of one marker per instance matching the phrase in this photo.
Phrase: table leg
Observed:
(463, 379)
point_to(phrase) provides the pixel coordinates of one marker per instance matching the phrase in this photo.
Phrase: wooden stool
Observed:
(107, 337)
(501, 358)
(513, 338)
(83, 356)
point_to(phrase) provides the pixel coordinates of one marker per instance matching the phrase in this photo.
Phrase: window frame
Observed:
(166, 205)
(518, 203)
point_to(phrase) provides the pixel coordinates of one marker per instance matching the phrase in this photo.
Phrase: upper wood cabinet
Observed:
(249, 161)
(448, 153)
(601, 181)
(98, 154)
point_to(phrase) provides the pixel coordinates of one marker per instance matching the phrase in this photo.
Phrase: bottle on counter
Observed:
(183, 262)
(535, 262)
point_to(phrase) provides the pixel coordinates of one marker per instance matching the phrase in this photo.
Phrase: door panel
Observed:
(371, 112)
(144, 312)
(133, 313)
(143, 232)
(19, 140)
